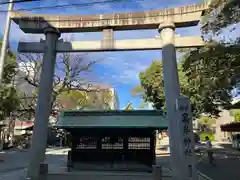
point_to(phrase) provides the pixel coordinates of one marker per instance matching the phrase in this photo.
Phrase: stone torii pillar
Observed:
(43, 109)
(172, 93)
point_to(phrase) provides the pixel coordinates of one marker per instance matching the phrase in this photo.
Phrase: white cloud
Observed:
(149, 4)
(230, 33)
(123, 67)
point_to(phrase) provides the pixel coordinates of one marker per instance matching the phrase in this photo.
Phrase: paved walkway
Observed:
(227, 166)
(15, 162)
(13, 175)
(228, 163)
(227, 160)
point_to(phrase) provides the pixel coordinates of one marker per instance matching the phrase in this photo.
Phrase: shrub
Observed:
(204, 134)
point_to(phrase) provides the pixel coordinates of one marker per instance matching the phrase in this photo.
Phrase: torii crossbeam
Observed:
(117, 45)
(181, 16)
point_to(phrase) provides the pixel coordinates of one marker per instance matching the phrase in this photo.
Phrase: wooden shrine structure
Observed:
(116, 138)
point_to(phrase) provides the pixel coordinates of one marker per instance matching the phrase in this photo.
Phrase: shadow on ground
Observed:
(226, 145)
(15, 162)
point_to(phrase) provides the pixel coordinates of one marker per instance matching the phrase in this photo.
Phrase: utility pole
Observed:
(4, 51)
(5, 39)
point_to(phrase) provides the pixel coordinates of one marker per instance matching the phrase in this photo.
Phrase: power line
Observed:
(18, 1)
(65, 5)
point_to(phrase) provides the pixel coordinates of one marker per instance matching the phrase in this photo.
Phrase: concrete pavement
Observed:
(14, 166)
(15, 162)
(227, 166)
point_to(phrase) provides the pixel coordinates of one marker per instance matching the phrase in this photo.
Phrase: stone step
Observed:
(104, 176)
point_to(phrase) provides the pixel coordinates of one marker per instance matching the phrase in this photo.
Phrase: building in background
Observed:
(102, 97)
(21, 127)
(226, 116)
(221, 132)
(98, 97)
(114, 101)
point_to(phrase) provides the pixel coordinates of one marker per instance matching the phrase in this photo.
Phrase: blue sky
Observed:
(118, 69)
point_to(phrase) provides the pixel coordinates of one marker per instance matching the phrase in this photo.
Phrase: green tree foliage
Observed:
(208, 74)
(221, 14)
(9, 99)
(237, 116)
(207, 121)
(99, 99)
(72, 99)
(215, 71)
(153, 87)
(143, 105)
(152, 84)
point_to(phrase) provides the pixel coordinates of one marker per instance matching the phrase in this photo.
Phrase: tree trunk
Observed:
(1, 138)
(11, 127)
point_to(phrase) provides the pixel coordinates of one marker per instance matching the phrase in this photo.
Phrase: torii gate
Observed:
(178, 113)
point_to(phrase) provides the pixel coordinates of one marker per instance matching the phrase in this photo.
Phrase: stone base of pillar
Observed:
(1, 158)
(157, 172)
(43, 172)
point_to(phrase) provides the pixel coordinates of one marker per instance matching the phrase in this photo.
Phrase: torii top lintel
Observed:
(182, 17)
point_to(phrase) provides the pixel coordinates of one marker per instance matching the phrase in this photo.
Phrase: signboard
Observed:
(186, 136)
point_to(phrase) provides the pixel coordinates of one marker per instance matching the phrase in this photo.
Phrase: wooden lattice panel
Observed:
(138, 143)
(87, 143)
(112, 143)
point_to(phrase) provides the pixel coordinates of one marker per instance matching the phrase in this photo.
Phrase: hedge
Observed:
(204, 134)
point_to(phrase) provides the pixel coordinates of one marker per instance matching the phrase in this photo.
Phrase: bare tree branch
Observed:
(71, 73)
